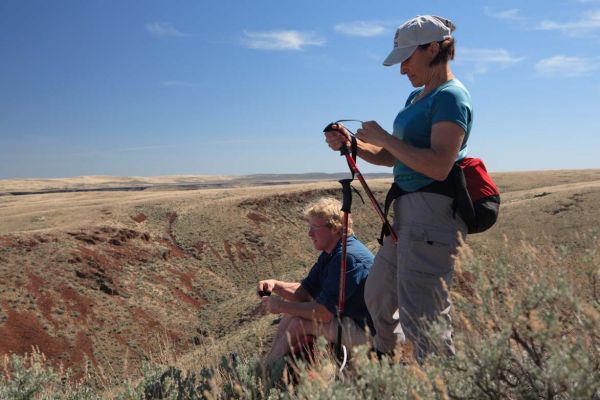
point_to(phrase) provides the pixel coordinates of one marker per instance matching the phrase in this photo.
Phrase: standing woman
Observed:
(430, 134)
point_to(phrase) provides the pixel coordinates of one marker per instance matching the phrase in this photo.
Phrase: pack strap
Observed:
(454, 186)
(462, 199)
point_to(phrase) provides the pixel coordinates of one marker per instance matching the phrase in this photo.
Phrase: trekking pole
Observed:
(340, 350)
(355, 171)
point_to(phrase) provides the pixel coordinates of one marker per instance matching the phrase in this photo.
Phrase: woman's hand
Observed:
(373, 134)
(337, 137)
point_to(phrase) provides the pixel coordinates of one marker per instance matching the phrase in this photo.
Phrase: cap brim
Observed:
(399, 55)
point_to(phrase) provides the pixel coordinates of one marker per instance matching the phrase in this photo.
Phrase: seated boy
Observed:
(309, 307)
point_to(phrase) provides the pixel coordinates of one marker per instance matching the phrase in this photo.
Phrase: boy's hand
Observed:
(266, 287)
(272, 305)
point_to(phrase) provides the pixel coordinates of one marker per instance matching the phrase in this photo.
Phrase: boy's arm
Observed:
(308, 310)
(292, 291)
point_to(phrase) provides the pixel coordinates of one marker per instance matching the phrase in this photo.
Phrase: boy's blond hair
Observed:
(330, 210)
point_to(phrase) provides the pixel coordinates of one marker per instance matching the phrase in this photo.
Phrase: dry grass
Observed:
(162, 254)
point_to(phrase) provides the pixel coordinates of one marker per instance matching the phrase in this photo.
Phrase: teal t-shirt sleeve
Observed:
(451, 106)
(328, 296)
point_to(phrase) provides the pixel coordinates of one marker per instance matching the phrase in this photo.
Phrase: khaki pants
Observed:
(412, 277)
(352, 334)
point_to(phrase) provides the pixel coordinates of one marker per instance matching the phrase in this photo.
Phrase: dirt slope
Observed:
(106, 277)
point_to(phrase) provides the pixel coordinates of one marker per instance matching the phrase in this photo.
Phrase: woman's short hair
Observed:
(445, 54)
(330, 210)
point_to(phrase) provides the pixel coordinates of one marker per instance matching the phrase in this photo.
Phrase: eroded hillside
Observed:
(142, 274)
(111, 277)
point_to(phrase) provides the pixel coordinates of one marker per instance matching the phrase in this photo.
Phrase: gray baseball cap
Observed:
(420, 30)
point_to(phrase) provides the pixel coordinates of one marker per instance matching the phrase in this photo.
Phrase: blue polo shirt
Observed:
(323, 280)
(451, 102)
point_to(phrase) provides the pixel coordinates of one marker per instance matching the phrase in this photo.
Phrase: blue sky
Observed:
(207, 87)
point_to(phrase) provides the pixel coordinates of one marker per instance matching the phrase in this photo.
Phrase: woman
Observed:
(430, 134)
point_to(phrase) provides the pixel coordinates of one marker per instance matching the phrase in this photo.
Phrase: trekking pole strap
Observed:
(393, 193)
(351, 160)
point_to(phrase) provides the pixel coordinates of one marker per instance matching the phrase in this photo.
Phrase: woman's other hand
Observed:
(373, 134)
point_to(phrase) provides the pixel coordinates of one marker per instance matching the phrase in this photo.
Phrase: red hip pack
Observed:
(476, 196)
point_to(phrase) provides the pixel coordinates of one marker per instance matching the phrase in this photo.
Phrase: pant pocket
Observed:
(429, 253)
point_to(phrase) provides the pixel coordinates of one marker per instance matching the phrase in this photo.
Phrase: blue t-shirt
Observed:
(323, 280)
(448, 102)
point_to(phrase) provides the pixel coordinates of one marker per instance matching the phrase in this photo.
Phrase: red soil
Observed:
(228, 250)
(243, 253)
(96, 260)
(77, 302)
(138, 314)
(35, 282)
(95, 257)
(141, 217)
(171, 216)
(43, 300)
(200, 247)
(85, 347)
(45, 304)
(194, 302)
(257, 218)
(465, 281)
(173, 250)
(23, 330)
(215, 252)
(6, 241)
(186, 278)
(159, 279)
(130, 253)
(87, 237)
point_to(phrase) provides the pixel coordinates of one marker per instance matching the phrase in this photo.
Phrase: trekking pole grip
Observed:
(344, 150)
(346, 195)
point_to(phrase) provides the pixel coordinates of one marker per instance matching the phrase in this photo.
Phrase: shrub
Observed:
(31, 377)
(526, 326)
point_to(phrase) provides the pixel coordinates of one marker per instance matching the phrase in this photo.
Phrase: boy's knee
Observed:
(297, 326)
(294, 322)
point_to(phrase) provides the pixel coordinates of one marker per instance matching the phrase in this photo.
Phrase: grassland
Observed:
(109, 281)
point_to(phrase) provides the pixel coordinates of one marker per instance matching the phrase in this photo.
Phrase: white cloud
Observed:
(565, 66)
(588, 23)
(163, 29)
(513, 14)
(484, 59)
(361, 28)
(281, 40)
